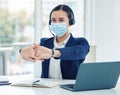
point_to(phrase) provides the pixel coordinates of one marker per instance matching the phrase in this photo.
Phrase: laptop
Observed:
(95, 76)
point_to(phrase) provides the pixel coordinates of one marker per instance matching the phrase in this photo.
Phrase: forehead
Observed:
(59, 14)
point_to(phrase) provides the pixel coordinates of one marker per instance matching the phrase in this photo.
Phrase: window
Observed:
(17, 27)
(16, 21)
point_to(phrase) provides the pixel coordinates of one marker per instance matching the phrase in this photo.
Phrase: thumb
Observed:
(36, 45)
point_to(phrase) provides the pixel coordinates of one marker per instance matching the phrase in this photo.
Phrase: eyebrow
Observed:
(58, 18)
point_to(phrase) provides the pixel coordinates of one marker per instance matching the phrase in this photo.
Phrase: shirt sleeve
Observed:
(78, 51)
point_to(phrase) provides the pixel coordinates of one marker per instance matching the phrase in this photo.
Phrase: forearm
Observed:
(74, 53)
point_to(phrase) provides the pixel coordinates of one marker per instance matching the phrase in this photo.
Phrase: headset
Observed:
(68, 10)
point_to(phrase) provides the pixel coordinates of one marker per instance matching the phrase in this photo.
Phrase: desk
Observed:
(11, 90)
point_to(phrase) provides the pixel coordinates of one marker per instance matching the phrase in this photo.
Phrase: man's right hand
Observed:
(28, 53)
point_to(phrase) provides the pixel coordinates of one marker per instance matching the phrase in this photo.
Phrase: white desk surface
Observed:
(12, 90)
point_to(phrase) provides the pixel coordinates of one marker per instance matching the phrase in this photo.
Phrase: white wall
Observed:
(107, 29)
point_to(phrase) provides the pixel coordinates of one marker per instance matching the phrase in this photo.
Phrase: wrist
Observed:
(52, 54)
(57, 53)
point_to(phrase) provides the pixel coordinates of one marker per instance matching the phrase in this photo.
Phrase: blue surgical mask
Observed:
(58, 29)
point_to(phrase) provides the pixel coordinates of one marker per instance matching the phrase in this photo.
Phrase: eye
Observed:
(61, 20)
(53, 20)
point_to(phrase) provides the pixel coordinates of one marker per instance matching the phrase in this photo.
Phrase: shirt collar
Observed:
(62, 43)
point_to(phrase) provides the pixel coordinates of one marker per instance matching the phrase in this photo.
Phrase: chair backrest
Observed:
(91, 57)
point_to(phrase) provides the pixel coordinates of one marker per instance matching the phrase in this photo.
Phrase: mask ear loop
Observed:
(51, 31)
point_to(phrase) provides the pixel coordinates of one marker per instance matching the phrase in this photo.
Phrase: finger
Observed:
(31, 59)
(37, 52)
(36, 45)
(39, 58)
(32, 55)
(36, 49)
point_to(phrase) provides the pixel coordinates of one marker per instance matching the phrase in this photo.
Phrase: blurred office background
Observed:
(24, 22)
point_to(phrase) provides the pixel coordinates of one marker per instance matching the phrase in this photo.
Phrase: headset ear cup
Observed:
(71, 21)
(49, 22)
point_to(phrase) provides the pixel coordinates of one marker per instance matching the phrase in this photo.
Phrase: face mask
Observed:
(59, 29)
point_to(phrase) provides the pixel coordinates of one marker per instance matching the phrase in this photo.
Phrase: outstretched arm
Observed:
(46, 53)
